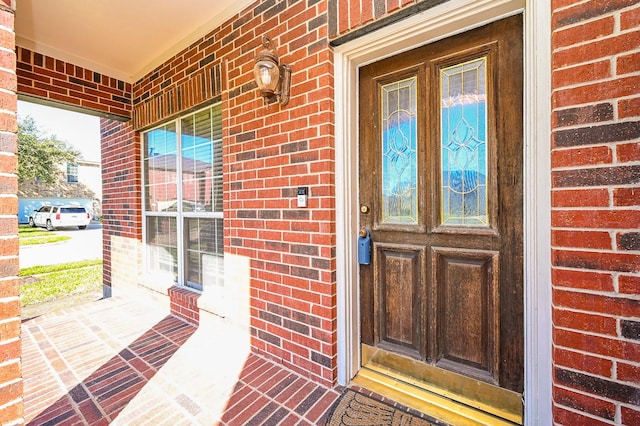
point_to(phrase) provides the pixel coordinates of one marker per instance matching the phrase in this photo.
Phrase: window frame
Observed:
(73, 167)
(180, 215)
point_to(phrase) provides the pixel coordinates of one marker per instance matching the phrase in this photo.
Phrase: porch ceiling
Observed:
(123, 39)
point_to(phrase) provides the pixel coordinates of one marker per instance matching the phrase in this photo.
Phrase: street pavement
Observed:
(84, 244)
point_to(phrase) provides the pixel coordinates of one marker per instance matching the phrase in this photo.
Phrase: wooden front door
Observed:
(440, 178)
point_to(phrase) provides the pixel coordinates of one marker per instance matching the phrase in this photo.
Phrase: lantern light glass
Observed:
(272, 78)
(267, 76)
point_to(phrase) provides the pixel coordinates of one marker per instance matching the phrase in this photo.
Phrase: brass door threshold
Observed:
(425, 401)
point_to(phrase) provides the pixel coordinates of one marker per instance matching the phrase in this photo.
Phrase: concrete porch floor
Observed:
(128, 362)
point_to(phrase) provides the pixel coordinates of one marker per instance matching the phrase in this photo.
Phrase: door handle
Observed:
(364, 247)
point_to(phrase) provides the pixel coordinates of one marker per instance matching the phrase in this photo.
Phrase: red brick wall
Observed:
(348, 15)
(596, 211)
(45, 77)
(269, 151)
(11, 404)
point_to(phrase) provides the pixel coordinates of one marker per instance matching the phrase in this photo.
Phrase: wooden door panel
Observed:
(399, 294)
(441, 144)
(466, 285)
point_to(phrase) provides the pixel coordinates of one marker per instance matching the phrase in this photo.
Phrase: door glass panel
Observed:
(464, 144)
(399, 155)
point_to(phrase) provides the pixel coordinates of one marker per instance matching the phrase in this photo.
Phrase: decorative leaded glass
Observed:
(464, 144)
(399, 154)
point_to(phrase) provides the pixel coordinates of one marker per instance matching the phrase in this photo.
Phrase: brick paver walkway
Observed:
(126, 362)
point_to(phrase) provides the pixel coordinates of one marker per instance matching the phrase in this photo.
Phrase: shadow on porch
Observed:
(124, 361)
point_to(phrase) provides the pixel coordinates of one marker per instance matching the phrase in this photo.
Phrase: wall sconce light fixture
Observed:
(273, 79)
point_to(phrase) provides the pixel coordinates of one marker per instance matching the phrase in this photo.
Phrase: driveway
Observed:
(84, 244)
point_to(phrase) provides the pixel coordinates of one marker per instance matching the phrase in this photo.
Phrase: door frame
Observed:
(444, 20)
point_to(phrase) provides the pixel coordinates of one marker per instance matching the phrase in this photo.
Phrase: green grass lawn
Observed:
(48, 288)
(27, 230)
(30, 236)
(47, 283)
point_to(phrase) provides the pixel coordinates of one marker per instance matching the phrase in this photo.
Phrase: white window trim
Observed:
(442, 21)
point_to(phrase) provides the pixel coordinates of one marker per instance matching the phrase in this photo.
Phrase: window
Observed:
(72, 173)
(183, 220)
(72, 210)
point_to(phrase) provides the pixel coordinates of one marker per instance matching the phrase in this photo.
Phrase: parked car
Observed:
(52, 217)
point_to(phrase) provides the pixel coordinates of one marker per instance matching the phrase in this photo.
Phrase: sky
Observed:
(82, 131)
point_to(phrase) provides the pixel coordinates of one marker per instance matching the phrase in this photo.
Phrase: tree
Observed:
(40, 157)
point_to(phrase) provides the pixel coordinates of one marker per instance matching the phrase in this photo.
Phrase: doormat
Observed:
(356, 409)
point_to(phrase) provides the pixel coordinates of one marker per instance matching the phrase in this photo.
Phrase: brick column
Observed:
(121, 204)
(11, 405)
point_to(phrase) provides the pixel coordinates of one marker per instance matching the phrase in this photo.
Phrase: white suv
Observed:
(52, 217)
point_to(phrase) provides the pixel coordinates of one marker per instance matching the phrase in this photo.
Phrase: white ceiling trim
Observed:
(119, 39)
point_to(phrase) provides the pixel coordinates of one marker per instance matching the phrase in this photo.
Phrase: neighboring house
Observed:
(78, 183)
(490, 151)
(87, 174)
